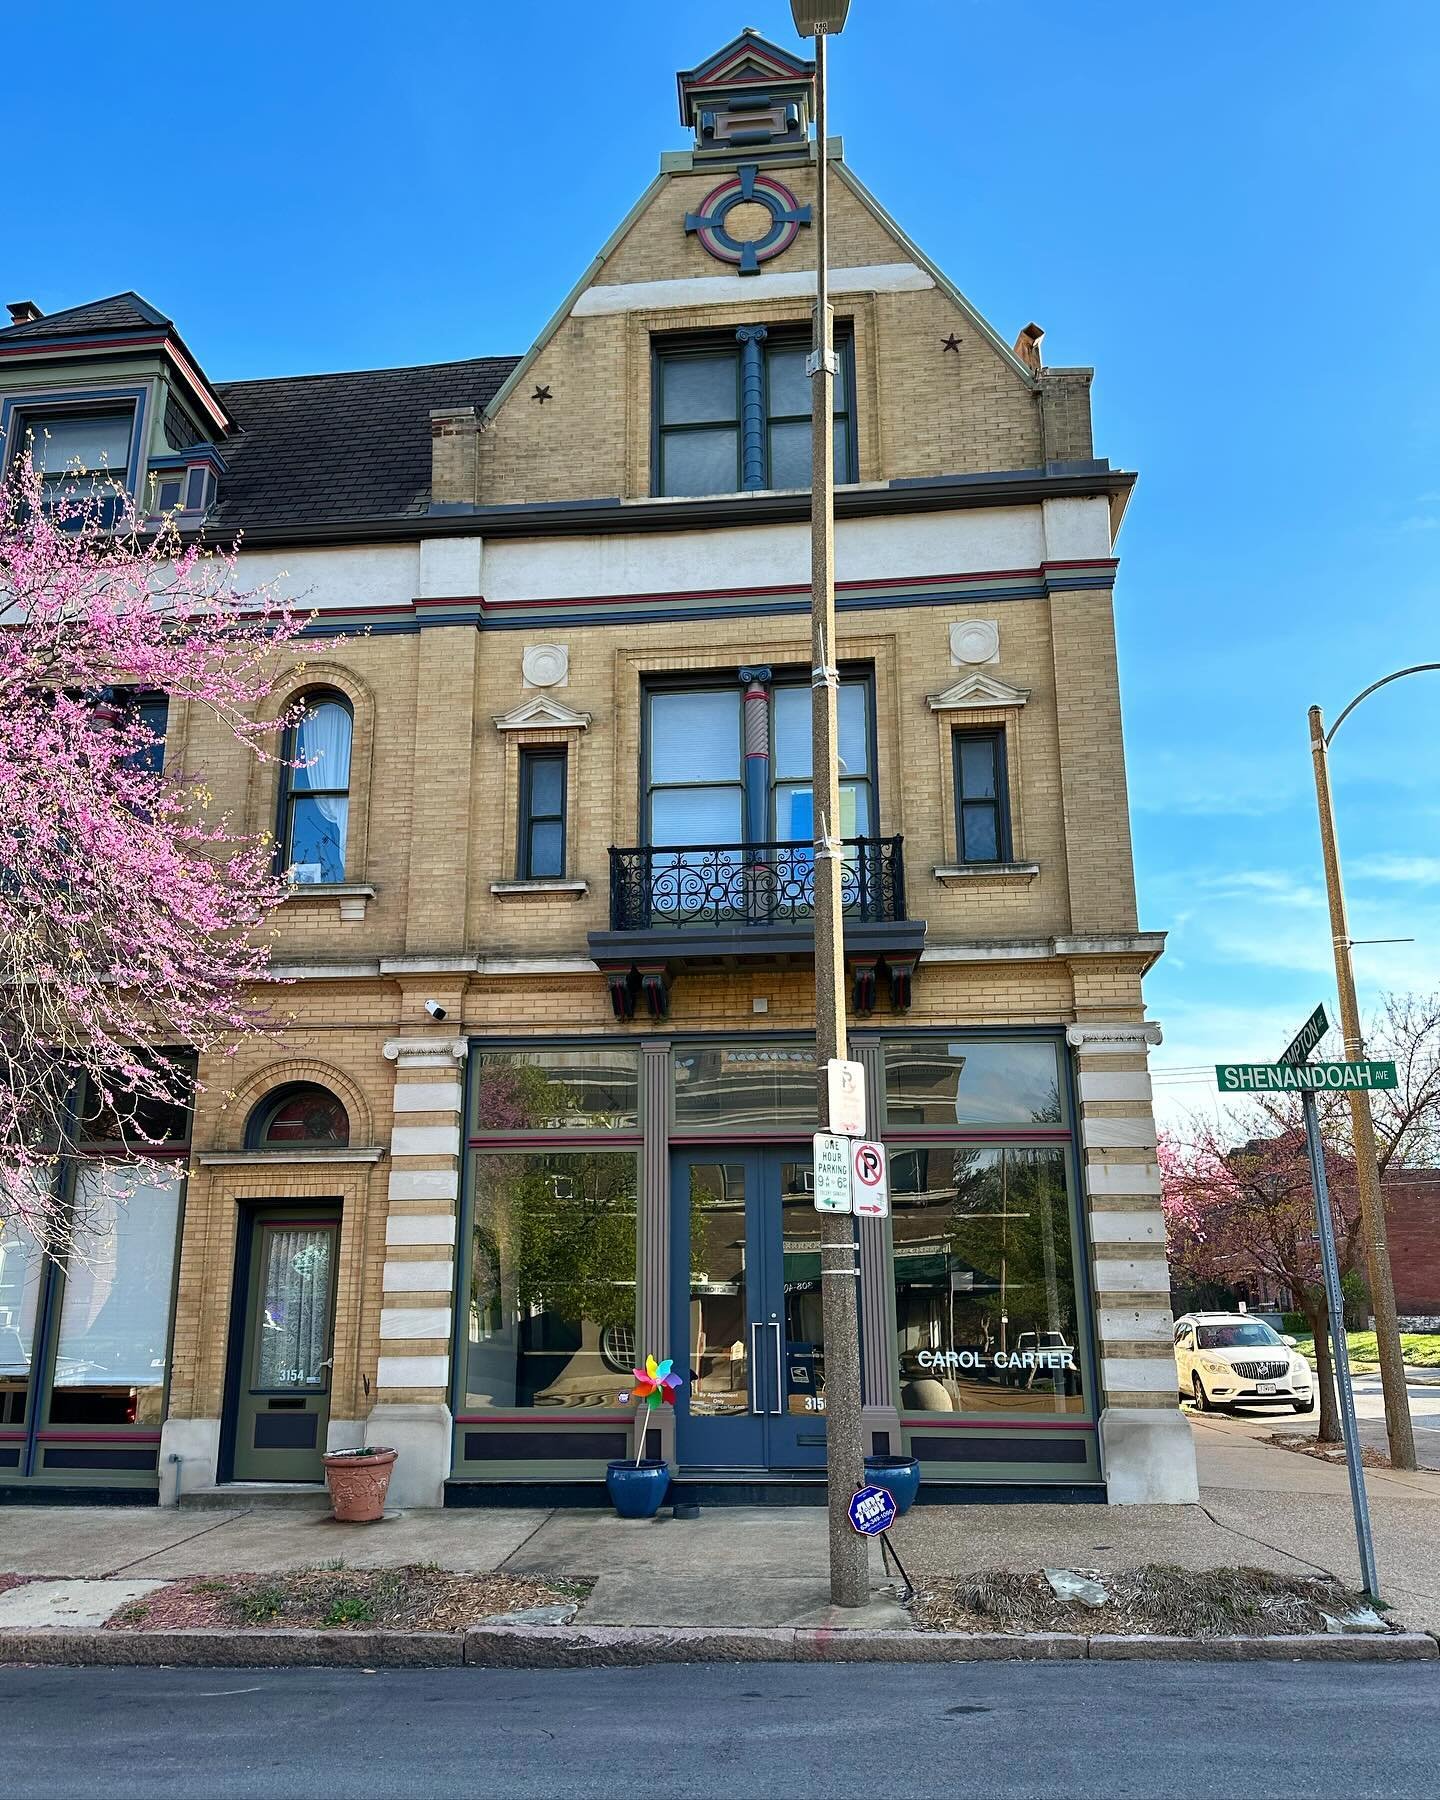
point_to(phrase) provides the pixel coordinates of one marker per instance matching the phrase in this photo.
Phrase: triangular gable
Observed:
(977, 690)
(545, 713)
(745, 59)
(116, 312)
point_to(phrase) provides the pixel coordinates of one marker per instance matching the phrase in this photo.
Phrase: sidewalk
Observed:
(768, 1567)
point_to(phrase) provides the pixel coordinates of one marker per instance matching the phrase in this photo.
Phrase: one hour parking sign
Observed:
(870, 1182)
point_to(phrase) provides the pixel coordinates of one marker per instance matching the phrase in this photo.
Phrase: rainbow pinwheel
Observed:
(654, 1384)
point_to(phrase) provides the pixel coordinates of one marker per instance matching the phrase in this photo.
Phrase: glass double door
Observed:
(746, 1307)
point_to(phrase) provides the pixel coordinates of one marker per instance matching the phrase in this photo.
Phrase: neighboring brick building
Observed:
(546, 1101)
(1412, 1223)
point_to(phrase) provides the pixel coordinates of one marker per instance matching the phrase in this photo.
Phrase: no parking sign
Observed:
(869, 1181)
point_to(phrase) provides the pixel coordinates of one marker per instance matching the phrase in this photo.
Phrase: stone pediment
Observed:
(545, 713)
(977, 690)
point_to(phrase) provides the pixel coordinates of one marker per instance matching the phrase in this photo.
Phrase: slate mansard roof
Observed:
(338, 447)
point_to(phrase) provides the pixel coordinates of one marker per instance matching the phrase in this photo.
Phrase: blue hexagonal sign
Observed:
(872, 1510)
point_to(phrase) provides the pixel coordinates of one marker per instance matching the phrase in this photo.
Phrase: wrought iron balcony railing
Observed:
(728, 886)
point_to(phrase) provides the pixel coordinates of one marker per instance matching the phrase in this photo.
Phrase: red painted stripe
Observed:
(568, 1416)
(51, 1435)
(33, 348)
(751, 593)
(12, 1437)
(555, 1140)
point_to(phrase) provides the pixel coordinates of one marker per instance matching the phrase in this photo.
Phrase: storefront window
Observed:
(972, 1081)
(21, 1268)
(985, 1305)
(739, 1087)
(115, 1319)
(551, 1311)
(591, 1088)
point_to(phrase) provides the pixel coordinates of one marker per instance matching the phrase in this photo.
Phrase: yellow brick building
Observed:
(541, 1092)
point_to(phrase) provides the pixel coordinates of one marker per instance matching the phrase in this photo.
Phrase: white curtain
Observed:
(295, 1309)
(324, 743)
(115, 1322)
(21, 1266)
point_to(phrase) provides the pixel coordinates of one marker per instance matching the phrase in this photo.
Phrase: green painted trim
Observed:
(562, 312)
(942, 280)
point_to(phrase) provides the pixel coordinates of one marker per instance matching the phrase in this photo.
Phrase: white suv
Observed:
(1232, 1359)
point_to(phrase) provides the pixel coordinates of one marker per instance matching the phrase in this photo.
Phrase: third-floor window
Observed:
(732, 411)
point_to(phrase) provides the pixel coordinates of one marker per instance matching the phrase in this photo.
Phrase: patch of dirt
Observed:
(418, 1597)
(14, 1581)
(1331, 1453)
(1157, 1598)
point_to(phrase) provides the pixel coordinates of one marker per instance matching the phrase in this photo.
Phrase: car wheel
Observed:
(1202, 1400)
(1304, 1406)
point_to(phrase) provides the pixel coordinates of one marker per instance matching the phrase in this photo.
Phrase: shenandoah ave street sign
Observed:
(1283, 1078)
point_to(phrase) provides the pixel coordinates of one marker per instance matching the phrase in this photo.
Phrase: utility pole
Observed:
(1398, 1428)
(839, 1274)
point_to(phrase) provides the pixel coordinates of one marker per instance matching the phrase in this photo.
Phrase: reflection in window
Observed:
(21, 1268)
(551, 1313)
(549, 1089)
(972, 1081)
(982, 812)
(985, 1308)
(737, 1086)
(115, 1320)
(317, 790)
(719, 1314)
(301, 1116)
(86, 452)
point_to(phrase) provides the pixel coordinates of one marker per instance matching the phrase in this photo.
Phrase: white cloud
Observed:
(1416, 871)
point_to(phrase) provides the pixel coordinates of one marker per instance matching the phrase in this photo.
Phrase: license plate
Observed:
(1265, 1387)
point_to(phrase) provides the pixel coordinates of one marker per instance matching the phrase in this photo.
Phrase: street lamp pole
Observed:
(1398, 1428)
(844, 1444)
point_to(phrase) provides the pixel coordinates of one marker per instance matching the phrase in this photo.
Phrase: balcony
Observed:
(677, 906)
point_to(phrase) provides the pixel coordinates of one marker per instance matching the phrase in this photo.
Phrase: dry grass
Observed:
(418, 1597)
(1331, 1453)
(1157, 1598)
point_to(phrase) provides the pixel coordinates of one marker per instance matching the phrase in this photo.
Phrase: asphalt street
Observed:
(998, 1731)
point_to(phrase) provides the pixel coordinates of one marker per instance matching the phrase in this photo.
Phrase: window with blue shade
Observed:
(316, 791)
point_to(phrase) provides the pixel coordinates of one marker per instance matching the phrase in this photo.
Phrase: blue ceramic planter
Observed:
(900, 1474)
(637, 1490)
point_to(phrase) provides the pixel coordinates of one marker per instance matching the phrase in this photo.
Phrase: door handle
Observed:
(755, 1405)
(779, 1378)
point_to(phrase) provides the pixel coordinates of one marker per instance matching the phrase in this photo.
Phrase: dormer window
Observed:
(83, 451)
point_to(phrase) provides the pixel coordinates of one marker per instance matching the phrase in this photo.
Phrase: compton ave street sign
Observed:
(1299, 1078)
(1306, 1038)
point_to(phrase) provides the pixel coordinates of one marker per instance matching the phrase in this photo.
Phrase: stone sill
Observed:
(525, 890)
(351, 895)
(229, 1159)
(1009, 874)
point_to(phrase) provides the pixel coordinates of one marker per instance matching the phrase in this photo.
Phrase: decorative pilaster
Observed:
(880, 1421)
(416, 1315)
(1146, 1449)
(652, 1313)
(752, 408)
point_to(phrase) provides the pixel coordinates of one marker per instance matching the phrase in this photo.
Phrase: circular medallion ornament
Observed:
(545, 665)
(753, 194)
(975, 641)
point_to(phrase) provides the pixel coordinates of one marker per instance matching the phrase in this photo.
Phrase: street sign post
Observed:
(1306, 1038)
(1301, 1078)
(847, 1097)
(1292, 1074)
(832, 1173)
(870, 1181)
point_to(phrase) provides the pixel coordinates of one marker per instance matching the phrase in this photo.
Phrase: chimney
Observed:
(23, 312)
(1027, 346)
(453, 472)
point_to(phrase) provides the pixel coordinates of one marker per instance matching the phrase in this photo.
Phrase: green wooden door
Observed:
(282, 1385)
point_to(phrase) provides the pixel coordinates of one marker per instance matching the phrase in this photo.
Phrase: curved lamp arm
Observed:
(1418, 669)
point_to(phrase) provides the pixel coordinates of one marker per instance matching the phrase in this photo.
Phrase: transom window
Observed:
(316, 790)
(301, 1116)
(733, 413)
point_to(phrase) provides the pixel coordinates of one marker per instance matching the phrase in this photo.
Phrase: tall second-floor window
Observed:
(316, 790)
(695, 759)
(731, 415)
(981, 797)
(542, 815)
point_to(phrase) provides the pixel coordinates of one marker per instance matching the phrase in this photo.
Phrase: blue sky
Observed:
(1229, 209)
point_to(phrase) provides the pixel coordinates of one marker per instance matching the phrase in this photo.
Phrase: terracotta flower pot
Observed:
(358, 1481)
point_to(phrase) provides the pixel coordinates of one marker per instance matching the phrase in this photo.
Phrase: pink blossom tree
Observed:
(130, 914)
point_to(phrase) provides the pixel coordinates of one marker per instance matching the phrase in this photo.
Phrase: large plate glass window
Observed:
(985, 1302)
(972, 1081)
(549, 1316)
(556, 1087)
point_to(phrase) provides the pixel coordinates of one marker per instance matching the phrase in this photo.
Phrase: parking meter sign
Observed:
(870, 1182)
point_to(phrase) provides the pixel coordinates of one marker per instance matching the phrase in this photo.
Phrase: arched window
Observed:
(315, 794)
(303, 1116)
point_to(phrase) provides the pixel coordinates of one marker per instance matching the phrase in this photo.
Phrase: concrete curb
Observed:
(623, 1646)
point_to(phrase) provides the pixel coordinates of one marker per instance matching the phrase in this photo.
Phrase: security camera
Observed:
(435, 1009)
